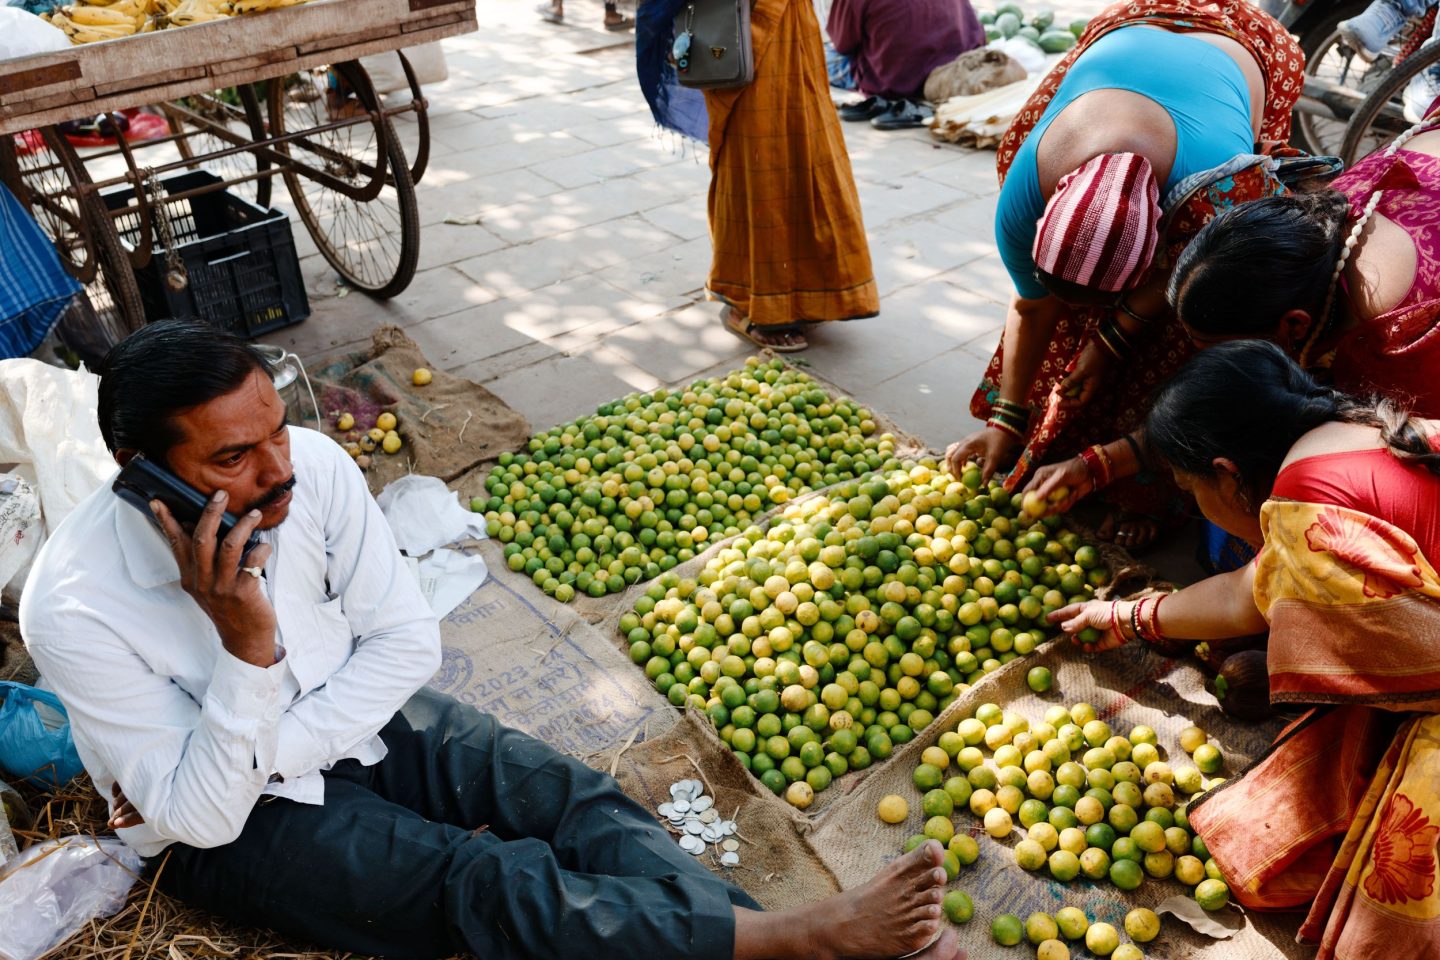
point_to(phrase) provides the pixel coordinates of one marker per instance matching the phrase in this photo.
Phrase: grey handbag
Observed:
(713, 48)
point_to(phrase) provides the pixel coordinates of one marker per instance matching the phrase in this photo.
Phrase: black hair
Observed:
(162, 370)
(1248, 402)
(1257, 261)
(1074, 294)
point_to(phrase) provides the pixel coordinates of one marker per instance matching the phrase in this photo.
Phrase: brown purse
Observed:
(713, 48)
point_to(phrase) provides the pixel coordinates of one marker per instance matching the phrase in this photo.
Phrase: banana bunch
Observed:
(256, 6)
(186, 12)
(89, 21)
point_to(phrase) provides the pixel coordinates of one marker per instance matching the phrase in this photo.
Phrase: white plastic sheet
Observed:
(56, 887)
(425, 517)
(22, 34)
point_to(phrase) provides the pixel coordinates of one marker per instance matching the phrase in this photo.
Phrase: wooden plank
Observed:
(174, 75)
(83, 101)
(42, 76)
(162, 57)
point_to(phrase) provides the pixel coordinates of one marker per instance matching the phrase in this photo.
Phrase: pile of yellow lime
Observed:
(648, 481)
(1083, 800)
(818, 644)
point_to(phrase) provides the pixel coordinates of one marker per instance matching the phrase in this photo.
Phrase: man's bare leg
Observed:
(894, 915)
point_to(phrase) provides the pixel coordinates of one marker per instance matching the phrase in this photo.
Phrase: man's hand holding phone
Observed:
(212, 574)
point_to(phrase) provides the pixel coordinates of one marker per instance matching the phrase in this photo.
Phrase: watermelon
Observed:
(1056, 41)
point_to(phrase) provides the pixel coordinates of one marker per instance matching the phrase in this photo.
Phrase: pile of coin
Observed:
(692, 814)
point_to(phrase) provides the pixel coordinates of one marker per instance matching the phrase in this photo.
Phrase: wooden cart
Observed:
(249, 98)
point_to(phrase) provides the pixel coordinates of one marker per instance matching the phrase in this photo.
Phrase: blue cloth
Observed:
(34, 287)
(1222, 552)
(677, 108)
(839, 68)
(1200, 86)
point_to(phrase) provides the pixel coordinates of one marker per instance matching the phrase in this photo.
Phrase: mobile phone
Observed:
(141, 481)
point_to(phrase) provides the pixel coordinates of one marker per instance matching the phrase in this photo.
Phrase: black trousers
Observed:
(395, 862)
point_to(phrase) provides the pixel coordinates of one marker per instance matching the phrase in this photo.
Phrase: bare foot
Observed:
(946, 948)
(895, 914)
(1131, 531)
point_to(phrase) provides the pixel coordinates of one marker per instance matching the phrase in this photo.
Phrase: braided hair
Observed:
(1257, 261)
(1248, 402)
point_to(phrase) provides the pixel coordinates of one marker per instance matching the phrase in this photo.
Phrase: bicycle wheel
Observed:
(1381, 117)
(1329, 59)
(243, 121)
(372, 239)
(48, 177)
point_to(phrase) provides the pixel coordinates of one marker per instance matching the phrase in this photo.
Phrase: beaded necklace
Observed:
(1323, 321)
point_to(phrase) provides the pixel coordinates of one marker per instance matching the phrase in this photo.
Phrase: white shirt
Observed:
(191, 733)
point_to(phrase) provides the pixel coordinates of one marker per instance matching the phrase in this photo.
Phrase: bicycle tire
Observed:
(1375, 104)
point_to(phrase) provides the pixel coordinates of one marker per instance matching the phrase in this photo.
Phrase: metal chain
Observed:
(176, 276)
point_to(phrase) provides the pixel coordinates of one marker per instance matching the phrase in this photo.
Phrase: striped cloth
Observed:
(1102, 224)
(34, 287)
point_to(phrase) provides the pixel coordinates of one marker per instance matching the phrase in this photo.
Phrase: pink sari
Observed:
(1398, 353)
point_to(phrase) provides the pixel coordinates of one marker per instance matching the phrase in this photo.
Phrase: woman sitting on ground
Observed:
(1340, 494)
(1345, 280)
(1156, 94)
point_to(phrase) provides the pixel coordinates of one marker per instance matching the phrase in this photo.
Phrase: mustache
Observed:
(275, 494)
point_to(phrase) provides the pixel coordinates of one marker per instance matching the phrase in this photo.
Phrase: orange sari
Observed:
(785, 220)
(1342, 814)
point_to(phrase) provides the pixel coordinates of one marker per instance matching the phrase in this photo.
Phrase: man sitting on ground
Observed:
(262, 722)
(893, 45)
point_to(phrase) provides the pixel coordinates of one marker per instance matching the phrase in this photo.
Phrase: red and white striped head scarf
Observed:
(1101, 227)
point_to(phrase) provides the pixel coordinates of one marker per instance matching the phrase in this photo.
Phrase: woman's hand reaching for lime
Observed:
(991, 449)
(1091, 369)
(1093, 624)
(1057, 487)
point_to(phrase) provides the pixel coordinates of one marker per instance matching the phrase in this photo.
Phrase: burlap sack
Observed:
(448, 426)
(974, 71)
(1128, 686)
(778, 866)
(513, 652)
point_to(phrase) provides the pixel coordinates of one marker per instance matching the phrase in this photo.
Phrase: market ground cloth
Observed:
(784, 213)
(1343, 811)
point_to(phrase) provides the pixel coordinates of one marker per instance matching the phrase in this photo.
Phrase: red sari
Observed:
(1341, 816)
(1121, 406)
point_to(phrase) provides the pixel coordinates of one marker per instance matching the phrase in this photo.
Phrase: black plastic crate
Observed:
(244, 275)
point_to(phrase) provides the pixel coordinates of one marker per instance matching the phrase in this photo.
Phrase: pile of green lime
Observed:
(1090, 802)
(848, 625)
(650, 479)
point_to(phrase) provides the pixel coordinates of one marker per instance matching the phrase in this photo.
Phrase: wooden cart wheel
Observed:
(37, 179)
(244, 121)
(52, 181)
(373, 243)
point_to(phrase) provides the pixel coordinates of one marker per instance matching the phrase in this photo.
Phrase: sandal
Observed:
(902, 115)
(1131, 531)
(777, 337)
(550, 14)
(864, 109)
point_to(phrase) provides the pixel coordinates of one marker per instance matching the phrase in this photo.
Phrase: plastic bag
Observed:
(21, 533)
(57, 887)
(23, 34)
(35, 742)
